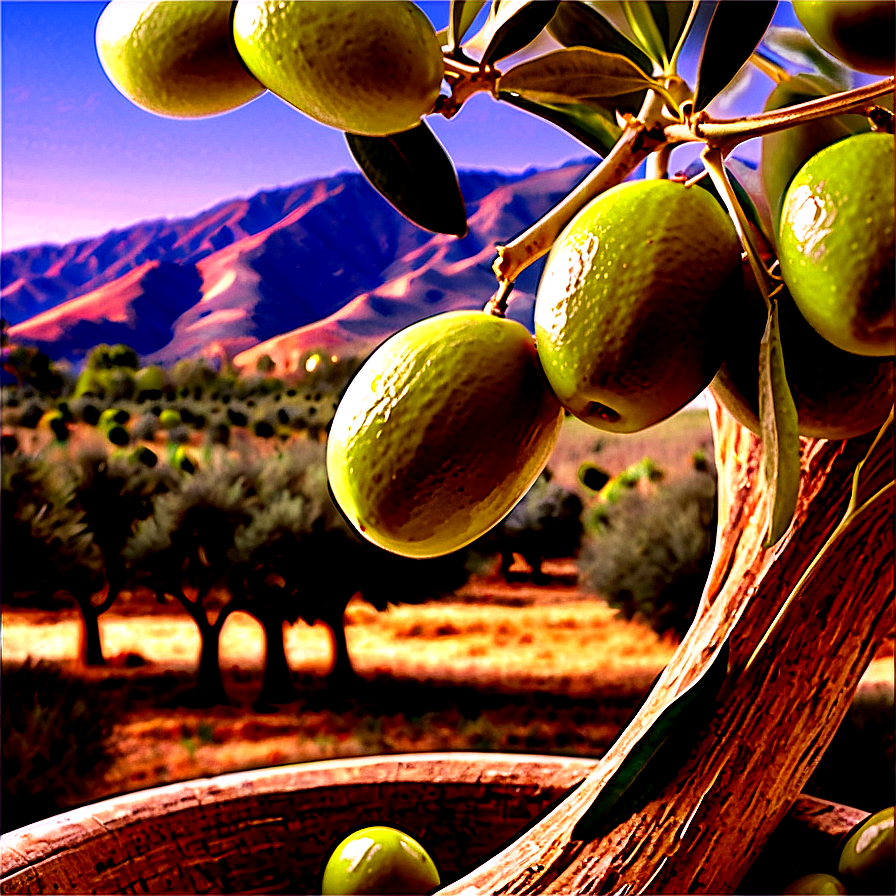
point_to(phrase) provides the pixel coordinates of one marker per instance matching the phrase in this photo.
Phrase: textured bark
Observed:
(788, 687)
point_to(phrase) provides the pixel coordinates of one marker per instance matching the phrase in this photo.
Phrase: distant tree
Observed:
(183, 547)
(109, 371)
(33, 368)
(299, 559)
(47, 547)
(113, 495)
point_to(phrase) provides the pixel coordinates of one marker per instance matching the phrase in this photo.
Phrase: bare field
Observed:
(500, 667)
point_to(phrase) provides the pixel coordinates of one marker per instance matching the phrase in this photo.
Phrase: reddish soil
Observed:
(500, 666)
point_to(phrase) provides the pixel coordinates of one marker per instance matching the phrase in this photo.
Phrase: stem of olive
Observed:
(640, 137)
(713, 161)
(728, 133)
(465, 80)
(497, 304)
(658, 163)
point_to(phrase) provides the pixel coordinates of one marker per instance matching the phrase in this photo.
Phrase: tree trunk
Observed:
(209, 687)
(90, 646)
(276, 683)
(793, 670)
(342, 675)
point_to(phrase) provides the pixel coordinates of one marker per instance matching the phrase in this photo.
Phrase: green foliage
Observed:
(651, 557)
(55, 735)
(46, 545)
(32, 367)
(111, 357)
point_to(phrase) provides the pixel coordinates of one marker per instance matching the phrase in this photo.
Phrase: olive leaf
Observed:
(651, 763)
(512, 24)
(734, 32)
(795, 46)
(780, 436)
(461, 16)
(875, 470)
(575, 24)
(590, 123)
(574, 74)
(414, 174)
(639, 16)
(677, 14)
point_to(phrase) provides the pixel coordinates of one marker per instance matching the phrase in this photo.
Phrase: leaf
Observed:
(461, 16)
(639, 16)
(591, 124)
(795, 46)
(413, 172)
(678, 12)
(515, 24)
(780, 438)
(574, 74)
(654, 759)
(875, 470)
(734, 32)
(576, 24)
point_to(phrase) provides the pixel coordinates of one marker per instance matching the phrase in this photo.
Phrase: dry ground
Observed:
(498, 667)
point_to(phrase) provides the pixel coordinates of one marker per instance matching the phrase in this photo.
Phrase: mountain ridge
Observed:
(324, 264)
(327, 260)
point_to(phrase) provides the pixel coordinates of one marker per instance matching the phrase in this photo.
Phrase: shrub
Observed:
(263, 429)
(651, 557)
(237, 418)
(219, 434)
(55, 732)
(31, 414)
(85, 410)
(145, 428)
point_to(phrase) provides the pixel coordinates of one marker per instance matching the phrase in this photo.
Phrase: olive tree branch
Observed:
(728, 133)
(640, 137)
(465, 80)
(842, 528)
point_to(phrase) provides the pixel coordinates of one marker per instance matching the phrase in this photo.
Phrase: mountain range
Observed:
(326, 264)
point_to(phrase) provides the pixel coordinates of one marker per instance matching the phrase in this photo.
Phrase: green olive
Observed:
(822, 884)
(868, 859)
(379, 859)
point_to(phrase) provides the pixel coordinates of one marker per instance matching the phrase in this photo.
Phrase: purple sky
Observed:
(78, 159)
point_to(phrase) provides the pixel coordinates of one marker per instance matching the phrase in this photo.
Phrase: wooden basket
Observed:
(268, 830)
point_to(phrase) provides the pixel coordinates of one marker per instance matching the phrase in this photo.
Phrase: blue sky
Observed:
(78, 159)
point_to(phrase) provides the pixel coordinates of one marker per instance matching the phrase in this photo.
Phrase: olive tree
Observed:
(800, 590)
(182, 548)
(296, 558)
